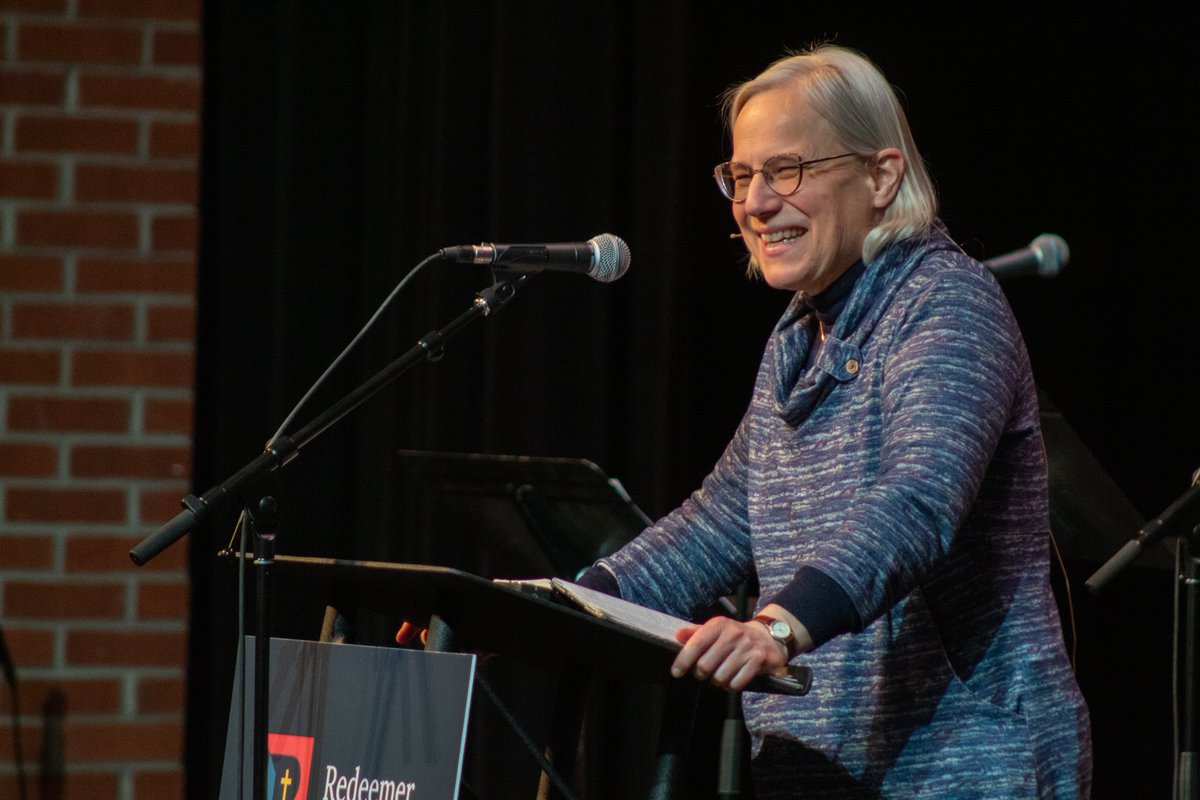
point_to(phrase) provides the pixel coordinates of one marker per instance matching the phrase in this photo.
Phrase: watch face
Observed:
(780, 629)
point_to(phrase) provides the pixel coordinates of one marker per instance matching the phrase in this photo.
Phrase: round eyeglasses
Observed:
(782, 173)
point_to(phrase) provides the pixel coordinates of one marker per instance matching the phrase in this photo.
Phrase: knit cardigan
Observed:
(904, 463)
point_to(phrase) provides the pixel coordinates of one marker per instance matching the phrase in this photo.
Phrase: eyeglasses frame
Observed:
(800, 163)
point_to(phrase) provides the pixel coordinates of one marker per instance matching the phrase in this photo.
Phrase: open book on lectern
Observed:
(655, 624)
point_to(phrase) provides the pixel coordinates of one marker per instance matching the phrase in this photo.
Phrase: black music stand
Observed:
(518, 516)
(510, 516)
(1089, 514)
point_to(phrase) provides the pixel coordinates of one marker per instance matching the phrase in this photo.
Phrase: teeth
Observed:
(779, 236)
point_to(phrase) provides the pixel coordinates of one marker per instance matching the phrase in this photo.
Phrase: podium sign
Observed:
(350, 722)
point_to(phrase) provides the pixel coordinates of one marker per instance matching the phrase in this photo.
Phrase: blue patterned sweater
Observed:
(904, 463)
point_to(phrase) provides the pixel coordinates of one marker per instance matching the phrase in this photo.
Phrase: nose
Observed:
(761, 199)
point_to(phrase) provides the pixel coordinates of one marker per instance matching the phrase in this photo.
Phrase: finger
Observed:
(743, 677)
(735, 663)
(742, 652)
(718, 657)
(706, 648)
(735, 653)
(695, 639)
(407, 631)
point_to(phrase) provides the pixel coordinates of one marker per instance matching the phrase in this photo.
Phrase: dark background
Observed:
(345, 142)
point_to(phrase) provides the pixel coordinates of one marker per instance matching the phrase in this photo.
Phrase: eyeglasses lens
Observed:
(782, 173)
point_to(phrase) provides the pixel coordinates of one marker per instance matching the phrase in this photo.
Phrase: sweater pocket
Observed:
(971, 748)
(968, 746)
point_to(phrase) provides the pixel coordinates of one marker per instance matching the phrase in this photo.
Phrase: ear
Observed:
(887, 172)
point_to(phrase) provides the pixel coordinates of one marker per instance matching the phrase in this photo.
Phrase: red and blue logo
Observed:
(290, 767)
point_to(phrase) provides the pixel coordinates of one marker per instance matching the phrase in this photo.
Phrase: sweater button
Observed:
(852, 366)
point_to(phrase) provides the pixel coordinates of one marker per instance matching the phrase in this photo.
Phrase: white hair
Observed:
(850, 93)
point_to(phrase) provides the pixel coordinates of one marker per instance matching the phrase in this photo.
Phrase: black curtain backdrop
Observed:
(344, 142)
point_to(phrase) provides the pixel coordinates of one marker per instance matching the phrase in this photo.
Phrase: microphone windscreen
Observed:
(1053, 254)
(612, 257)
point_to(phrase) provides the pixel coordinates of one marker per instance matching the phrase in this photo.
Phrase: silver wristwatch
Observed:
(781, 632)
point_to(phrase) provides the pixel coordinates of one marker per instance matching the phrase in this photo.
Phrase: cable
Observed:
(341, 356)
(547, 768)
(10, 677)
(1181, 556)
(1062, 566)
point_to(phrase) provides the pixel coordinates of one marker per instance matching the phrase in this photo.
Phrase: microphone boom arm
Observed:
(281, 450)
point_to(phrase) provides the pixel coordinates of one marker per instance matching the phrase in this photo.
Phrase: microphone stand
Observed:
(280, 451)
(1182, 520)
(1187, 665)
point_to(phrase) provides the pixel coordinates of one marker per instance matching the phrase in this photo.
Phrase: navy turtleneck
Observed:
(827, 304)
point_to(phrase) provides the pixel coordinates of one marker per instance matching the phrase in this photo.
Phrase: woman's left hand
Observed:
(729, 654)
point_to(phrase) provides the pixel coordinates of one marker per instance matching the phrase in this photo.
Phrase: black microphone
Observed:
(1180, 517)
(604, 257)
(1045, 256)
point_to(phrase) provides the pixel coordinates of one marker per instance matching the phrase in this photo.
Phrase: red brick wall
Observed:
(99, 145)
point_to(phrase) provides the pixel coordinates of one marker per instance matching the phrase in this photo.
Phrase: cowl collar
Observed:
(828, 304)
(798, 384)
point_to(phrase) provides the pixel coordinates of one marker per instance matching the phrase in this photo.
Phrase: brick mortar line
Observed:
(92, 767)
(71, 88)
(132, 23)
(127, 253)
(79, 671)
(70, 625)
(83, 531)
(58, 111)
(98, 393)
(128, 579)
(149, 24)
(9, 18)
(94, 206)
(73, 437)
(8, 225)
(116, 160)
(181, 72)
(62, 533)
(109, 483)
(138, 575)
(8, 126)
(177, 578)
(100, 483)
(71, 14)
(70, 347)
(100, 718)
(103, 298)
(67, 165)
(102, 345)
(76, 625)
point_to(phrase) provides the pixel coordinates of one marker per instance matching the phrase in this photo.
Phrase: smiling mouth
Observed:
(781, 236)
